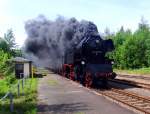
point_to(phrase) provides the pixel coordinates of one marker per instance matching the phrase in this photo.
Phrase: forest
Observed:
(132, 49)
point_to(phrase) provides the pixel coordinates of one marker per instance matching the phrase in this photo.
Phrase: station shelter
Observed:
(23, 67)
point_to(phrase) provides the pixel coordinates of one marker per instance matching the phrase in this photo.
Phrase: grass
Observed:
(4, 88)
(141, 71)
(23, 104)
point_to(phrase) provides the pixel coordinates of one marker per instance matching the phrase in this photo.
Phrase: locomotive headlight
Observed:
(97, 41)
(112, 62)
(83, 62)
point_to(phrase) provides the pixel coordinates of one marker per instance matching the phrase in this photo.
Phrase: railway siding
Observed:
(134, 78)
(131, 83)
(140, 89)
(140, 103)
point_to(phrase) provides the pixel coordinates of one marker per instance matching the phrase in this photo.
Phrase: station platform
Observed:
(58, 95)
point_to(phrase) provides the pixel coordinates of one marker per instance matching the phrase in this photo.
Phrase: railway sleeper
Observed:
(132, 95)
(130, 101)
(123, 98)
(138, 103)
(147, 108)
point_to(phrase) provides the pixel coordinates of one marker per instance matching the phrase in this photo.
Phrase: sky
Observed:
(110, 14)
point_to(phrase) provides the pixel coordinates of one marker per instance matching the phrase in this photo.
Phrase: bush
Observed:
(10, 79)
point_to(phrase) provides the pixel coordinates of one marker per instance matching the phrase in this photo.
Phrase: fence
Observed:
(20, 89)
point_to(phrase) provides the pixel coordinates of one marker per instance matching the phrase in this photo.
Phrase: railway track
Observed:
(139, 103)
(133, 76)
(133, 101)
(131, 83)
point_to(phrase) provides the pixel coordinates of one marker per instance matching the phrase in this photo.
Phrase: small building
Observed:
(23, 67)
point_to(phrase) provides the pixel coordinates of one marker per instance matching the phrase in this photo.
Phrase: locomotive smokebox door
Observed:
(23, 67)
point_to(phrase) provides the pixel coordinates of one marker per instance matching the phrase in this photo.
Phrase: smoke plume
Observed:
(47, 40)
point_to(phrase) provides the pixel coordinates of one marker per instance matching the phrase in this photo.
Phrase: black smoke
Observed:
(48, 40)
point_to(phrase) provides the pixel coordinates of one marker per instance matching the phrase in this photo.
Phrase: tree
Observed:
(131, 54)
(142, 36)
(3, 58)
(10, 39)
(7, 44)
(147, 52)
(119, 40)
(132, 50)
(7, 50)
(3, 45)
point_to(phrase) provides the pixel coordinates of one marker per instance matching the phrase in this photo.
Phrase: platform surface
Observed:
(57, 95)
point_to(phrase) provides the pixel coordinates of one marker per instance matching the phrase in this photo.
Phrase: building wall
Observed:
(26, 70)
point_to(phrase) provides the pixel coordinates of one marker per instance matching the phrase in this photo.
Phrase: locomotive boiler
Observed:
(87, 63)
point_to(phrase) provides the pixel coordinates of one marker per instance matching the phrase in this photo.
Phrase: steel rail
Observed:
(134, 76)
(137, 102)
(131, 83)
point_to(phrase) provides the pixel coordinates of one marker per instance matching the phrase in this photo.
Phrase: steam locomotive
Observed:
(87, 63)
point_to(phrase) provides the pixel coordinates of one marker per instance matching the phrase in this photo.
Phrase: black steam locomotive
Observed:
(87, 63)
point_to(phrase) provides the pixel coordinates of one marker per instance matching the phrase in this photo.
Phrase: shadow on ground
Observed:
(63, 108)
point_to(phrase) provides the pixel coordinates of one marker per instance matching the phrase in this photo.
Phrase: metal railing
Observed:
(20, 88)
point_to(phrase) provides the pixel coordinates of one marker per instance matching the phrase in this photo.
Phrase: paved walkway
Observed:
(57, 95)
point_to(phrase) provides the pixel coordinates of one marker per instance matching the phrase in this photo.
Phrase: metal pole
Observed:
(11, 102)
(18, 85)
(25, 80)
(30, 82)
(23, 86)
(32, 71)
(20, 75)
(2, 105)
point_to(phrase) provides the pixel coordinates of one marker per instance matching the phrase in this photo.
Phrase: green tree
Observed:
(147, 52)
(8, 44)
(142, 35)
(131, 59)
(10, 39)
(132, 50)
(3, 45)
(3, 58)
(119, 40)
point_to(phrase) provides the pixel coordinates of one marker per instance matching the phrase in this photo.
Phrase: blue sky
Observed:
(104, 13)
